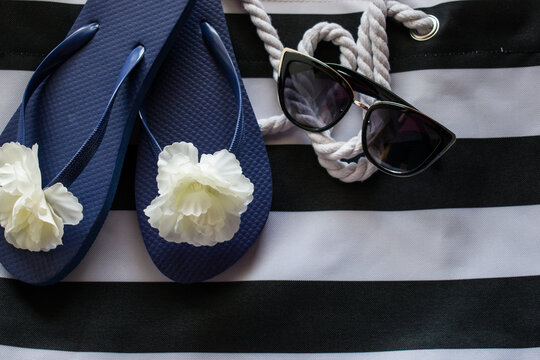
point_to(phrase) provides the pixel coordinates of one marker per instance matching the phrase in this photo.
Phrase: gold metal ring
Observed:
(434, 29)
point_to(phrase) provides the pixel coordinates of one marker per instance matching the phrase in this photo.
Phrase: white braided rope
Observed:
(369, 56)
(328, 150)
(334, 33)
(267, 33)
(411, 18)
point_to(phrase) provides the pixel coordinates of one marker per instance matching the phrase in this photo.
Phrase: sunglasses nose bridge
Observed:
(359, 104)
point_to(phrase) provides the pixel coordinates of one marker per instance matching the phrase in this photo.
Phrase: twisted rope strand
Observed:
(375, 15)
(334, 33)
(409, 17)
(266, 31)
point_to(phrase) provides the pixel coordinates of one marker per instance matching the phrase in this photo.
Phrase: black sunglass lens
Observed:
(400, 140)
(312, 96)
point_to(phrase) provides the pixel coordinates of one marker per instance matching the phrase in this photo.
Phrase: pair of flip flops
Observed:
(203, 183)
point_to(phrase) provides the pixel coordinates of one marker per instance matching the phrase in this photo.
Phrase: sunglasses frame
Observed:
(353, 81)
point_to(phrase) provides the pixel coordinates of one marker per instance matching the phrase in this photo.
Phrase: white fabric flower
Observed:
(199, 203)
(33, 219)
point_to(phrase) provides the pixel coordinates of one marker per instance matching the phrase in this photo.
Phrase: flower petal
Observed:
(227, 172)
(193, 199)
(7, 201)
(33, 225)
(175, 162)
(231, 226)
(185, 231)
(223, 163)
(212, 219)
(64, 204)
(179, 152)
(19, 168)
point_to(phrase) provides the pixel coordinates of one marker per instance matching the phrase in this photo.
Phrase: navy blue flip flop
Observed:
(79, 107)
(198, 98)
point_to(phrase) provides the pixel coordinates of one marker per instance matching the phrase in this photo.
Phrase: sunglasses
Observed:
(396, 137)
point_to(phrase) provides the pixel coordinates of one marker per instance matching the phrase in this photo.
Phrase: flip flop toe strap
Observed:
(54, 59)
(221, 55)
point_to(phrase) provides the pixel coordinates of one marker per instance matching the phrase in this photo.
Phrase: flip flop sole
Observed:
(65, 109)
(191, 100)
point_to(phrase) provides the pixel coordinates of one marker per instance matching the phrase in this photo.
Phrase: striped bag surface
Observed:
(444, 265)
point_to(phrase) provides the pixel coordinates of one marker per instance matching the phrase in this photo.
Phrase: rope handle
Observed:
(368, 56)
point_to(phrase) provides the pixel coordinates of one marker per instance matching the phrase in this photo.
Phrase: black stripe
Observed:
(474, 34)
(280, 316)
(474, 173)
(30, 30)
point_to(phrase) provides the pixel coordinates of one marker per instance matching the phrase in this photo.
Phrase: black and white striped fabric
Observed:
(445, 265)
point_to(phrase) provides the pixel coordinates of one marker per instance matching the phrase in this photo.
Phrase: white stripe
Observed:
(12, 85)
(474, 103)
(76, 2)
(301, 6)
(320, 6)
(349, 245)
(11, 352)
